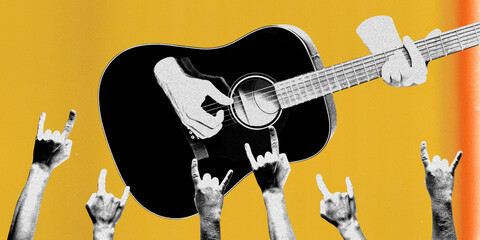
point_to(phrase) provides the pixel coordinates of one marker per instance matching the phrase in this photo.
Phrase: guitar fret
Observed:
(326, 89)
(435, 50)
(372, 68)
(313, 86)
(318, 82)
(362, 74)
(335, 79)
(428, 51)
(303, 89)
(283, 95)
(443, 47)
(286, 99)
(294, 91)
(308, 87)
(476, 33)
(329, 80)
(341, 78)
(346, 77)
(469, 38)
(458, 39)
(353, 67)
(363, 64)
(376, 67)
(278, 91)
(299, 90)
(293, 100)
(448, 44)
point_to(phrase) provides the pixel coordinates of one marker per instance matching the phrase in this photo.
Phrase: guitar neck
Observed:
(316, 84)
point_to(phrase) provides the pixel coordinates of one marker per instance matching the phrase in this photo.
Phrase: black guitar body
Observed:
(151, 147)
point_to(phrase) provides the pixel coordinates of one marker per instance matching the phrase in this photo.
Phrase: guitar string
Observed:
(425, 47)
(467, 36)
(365, 72)
(336, 86)
(228, 120)
(475, 40)
(228, 116)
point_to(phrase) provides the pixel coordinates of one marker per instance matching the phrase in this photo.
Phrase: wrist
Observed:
(273, 197)
(40, 172)
(273, 192)
(103, 231)
(211, 216)
(441, 207)
(350, 229)
(442, 200)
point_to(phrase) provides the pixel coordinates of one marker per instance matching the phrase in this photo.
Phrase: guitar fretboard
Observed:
(316, 84)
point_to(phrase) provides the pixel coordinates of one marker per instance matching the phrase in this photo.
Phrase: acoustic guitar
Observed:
(275, 76)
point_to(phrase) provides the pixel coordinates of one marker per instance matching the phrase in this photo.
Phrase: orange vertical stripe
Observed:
(468, 87)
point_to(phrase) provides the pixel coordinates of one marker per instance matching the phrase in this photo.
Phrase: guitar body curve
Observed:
(149, 144)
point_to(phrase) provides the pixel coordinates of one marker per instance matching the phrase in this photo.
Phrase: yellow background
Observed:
(53, 53)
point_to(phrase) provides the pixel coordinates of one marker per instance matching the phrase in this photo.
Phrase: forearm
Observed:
(28, 206)
(210, 227)
(103, 232)
(166, 70)
(278, 222)
(442, 220)
(351, 231)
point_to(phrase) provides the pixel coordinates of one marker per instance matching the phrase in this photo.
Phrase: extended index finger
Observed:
(321, 185)
(250, 157)
(226, 180)
(101, 181)
(195, 173)
(274, 141)
(349, 187)
(124, 198)
(424, 154)
(41, 122)
(69, 125)
(456, 161)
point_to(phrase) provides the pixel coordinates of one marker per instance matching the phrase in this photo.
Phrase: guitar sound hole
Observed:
(255, 102)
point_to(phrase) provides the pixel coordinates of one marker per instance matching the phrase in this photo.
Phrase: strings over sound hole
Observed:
(256, 105)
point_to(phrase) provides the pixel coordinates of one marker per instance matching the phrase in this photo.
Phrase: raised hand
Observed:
(340, 210)
(272, 169)
(439, 180)
(105, 209)
(187, 94)
(397, 72)
(271, 172)
(208, 191)
(209, 201)
(51, 149)
(439, 176)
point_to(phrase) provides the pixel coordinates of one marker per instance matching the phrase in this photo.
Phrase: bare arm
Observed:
(271, 172)
(105, 209)
(27, 209)
(51, 149)
(340, 210)
(439, 179)
(209, 201)
(278, 222)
